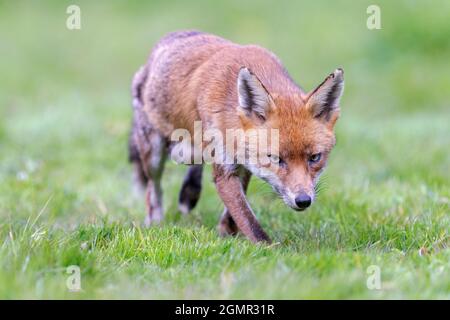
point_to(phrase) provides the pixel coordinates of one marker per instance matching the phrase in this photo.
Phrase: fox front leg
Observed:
(230, 189)
(227, 226)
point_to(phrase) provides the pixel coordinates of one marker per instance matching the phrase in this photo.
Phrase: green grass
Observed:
(65, 185)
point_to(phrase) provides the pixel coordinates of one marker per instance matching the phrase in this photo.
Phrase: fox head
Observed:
(305, 123)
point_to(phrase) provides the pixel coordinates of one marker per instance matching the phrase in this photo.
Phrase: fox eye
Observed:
(276, 159)
(315, 158)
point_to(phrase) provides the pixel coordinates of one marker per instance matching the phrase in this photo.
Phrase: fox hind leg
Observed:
(139, 175)
(190, 189)
(155, 165)
(148, 152)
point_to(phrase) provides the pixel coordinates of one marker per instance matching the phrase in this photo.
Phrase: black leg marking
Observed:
(191, 188)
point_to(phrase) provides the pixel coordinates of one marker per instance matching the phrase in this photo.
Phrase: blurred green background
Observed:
(65, 181)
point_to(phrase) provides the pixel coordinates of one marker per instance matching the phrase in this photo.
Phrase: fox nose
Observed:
(303, 201)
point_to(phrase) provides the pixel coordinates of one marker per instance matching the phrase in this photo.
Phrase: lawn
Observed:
(66, 196)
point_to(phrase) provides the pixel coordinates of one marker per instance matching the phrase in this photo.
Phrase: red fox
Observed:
(193, 76)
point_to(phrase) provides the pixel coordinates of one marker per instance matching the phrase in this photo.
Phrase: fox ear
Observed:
(253, 98)
(323, 101)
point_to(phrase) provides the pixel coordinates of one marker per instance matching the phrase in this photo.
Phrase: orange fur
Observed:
(192, 76)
